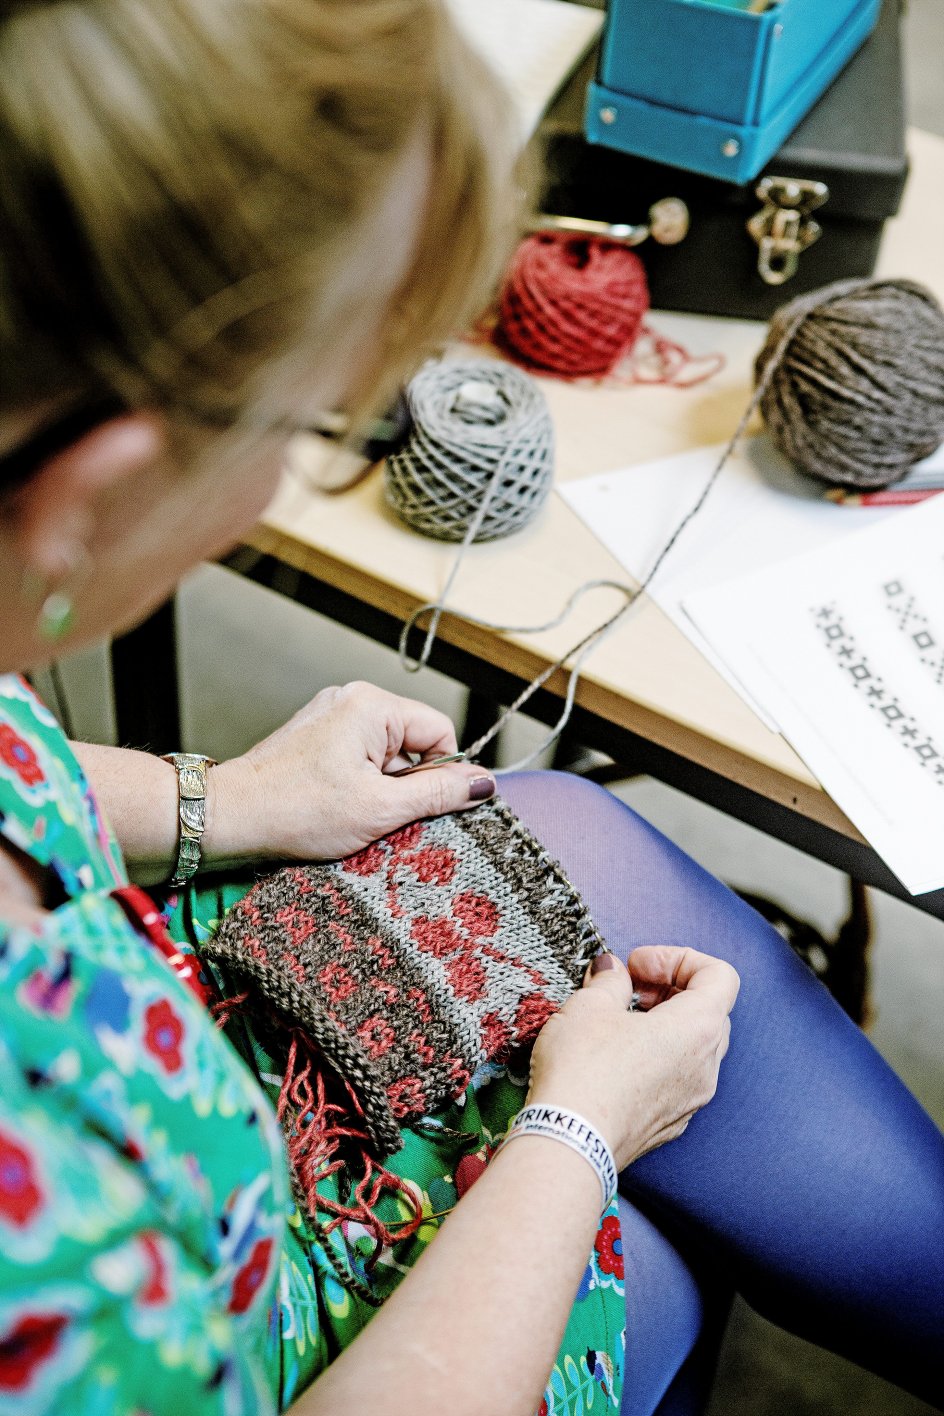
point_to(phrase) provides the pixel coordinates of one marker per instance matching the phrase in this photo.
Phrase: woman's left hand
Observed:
(321, 786)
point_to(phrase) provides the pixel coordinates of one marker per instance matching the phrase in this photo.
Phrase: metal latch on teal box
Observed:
(716, 86)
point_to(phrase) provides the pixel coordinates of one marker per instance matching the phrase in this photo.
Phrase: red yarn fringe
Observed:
(316, 1129)
(223, 1009)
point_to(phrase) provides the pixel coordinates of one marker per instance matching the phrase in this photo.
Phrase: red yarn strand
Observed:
(224, 1009)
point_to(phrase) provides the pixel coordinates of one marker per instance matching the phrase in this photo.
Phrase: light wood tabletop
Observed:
(646, 677)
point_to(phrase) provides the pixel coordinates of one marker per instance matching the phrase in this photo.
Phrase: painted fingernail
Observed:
(480, 788)
(603, 961)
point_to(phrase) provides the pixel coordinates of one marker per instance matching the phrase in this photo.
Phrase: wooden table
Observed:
(647, 696)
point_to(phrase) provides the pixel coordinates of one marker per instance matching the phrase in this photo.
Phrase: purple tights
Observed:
(813, 1183)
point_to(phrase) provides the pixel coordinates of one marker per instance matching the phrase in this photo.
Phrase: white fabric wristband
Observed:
(556, 1123)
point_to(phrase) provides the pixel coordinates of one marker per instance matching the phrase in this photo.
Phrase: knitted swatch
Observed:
(403, 968)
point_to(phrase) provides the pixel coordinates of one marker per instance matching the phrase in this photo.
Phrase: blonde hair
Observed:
(181, 178)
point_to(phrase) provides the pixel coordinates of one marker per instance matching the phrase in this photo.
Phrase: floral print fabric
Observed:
(151, 1258)
(143, 1193)
(47, 809)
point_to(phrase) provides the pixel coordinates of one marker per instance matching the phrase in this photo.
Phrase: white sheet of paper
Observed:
(758, 511)
(845, 645)
(533, 46)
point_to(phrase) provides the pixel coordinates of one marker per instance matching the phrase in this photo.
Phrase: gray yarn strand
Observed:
(580, 651)
(838, 399)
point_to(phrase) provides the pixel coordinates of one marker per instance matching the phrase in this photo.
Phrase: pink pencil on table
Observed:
(891, 497)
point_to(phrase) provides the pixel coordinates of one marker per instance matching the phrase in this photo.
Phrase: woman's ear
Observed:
(52, 517)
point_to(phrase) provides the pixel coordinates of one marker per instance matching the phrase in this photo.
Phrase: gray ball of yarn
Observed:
(857, 396)
(481, 432)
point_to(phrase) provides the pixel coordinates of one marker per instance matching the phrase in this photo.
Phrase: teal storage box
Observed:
(716, 86)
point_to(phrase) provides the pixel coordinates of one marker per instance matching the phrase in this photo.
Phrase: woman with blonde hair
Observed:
(217, 218)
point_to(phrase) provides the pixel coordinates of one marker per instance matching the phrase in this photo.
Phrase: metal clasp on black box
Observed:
(783, 228)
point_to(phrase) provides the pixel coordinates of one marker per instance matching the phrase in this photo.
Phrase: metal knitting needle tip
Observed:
(433, 762)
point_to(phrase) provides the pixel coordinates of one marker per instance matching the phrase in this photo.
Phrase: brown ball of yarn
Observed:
(856, 396)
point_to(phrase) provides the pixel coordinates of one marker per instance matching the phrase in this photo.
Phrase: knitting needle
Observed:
(633, 1004)
(433, 762)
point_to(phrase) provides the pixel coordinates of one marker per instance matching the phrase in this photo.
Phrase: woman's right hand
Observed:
(441, 1341)
(638, 1077)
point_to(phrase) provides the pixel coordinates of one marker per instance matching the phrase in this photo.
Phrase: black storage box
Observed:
(853, 141)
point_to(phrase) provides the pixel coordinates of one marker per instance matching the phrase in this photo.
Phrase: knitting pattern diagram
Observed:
(857, 670)
(914, 622)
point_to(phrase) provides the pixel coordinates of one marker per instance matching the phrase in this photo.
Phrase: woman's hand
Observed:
(441, 1341)
(320, 787)
(638, 1077)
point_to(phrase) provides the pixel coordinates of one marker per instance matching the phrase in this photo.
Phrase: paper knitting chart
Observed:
(911, 735)
(845, 647)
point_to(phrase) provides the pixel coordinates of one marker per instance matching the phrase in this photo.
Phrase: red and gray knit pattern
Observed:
(408, 965)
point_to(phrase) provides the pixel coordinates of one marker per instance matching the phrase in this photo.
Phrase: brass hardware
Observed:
(668, 224)
(669, 221)
(784, 227)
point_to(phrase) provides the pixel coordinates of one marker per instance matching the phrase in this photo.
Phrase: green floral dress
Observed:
(151, 1257)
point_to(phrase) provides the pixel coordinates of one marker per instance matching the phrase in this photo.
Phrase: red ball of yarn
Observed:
(572, 304)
